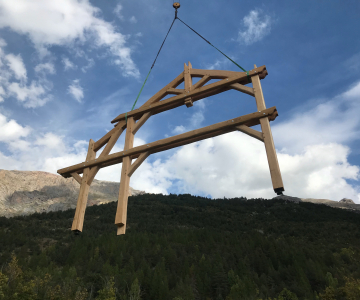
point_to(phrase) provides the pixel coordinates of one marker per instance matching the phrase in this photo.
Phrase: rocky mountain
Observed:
(27, 192)
(343, 203)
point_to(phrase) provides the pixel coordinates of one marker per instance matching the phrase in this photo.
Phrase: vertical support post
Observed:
(121, 212)
(268, 139)
(187, 77)
(78, 221)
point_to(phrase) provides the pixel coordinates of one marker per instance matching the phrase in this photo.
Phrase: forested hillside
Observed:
(184, 247)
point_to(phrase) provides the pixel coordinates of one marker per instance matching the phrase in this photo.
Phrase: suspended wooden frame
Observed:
(187, 96)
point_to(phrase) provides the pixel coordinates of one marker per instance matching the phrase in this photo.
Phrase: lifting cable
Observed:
(176, 5)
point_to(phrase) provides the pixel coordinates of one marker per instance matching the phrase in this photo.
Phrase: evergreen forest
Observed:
(182, 247)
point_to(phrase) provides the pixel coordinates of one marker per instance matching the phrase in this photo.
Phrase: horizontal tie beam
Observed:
(175, 141)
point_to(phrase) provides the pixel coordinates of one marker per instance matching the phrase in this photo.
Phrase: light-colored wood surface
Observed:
(110, 144)
(138, 162)
(78, 221)
(248, 119)
(268, 139)
(251, 132)
(187, 78)
(271, 155)
(121, 212)
(242, 88)
(179, 100)
(172, 91)
(141, 122)
(77, 177)
(173, 84)
(202, 82)
(259, 97)
(101, 142)
(220, 74)
(160, 94)
(188, 102)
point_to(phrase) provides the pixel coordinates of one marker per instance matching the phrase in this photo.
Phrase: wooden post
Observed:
(78, 221)
(268, 139)
(121, 212)
(187, 77)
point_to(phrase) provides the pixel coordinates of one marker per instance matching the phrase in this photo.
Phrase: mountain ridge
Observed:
(27, 192)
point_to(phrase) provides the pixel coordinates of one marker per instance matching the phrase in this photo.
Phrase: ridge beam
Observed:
(179, 100)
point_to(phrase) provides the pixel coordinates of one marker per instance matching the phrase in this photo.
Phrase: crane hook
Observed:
(176, 5)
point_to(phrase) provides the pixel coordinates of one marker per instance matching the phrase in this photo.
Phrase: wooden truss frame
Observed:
(136, 118)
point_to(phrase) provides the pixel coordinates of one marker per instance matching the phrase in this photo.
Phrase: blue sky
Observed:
(68, 67)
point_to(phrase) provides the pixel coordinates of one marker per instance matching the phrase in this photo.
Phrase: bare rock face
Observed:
(288, 198)
(346, 201)
(27, 192)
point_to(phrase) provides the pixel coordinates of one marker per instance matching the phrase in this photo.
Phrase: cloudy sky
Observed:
(68, 67)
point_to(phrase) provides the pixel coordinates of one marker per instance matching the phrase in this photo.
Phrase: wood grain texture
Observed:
(268, 139)
(160, 94)
(251, 132)
(202, 82)
(78, 221)
(249, 120)
(242, 88)
(110, 144)
(187, 78)
(179, 100)
(101, 142)
(141, 122)
(77, 177)
(121, 212)
(138, 162)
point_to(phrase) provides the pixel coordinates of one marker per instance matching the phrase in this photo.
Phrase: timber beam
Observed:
(175, 141)
(228, 78)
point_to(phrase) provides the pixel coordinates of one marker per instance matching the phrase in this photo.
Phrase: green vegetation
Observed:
(181, 247)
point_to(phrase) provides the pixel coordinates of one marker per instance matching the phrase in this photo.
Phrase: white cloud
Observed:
(353, 63)
(218, 64)
(50, 141)
(2, 93)
(133, 20)
(90, 64)
(11, 130)
(195, 120)
(76, 90)
(257, 26)
(65, 22)
(68, 65)
(117, 11)
(332, 121)
(32, 96)
(32, 151)
(17, 66)
(45, 68)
